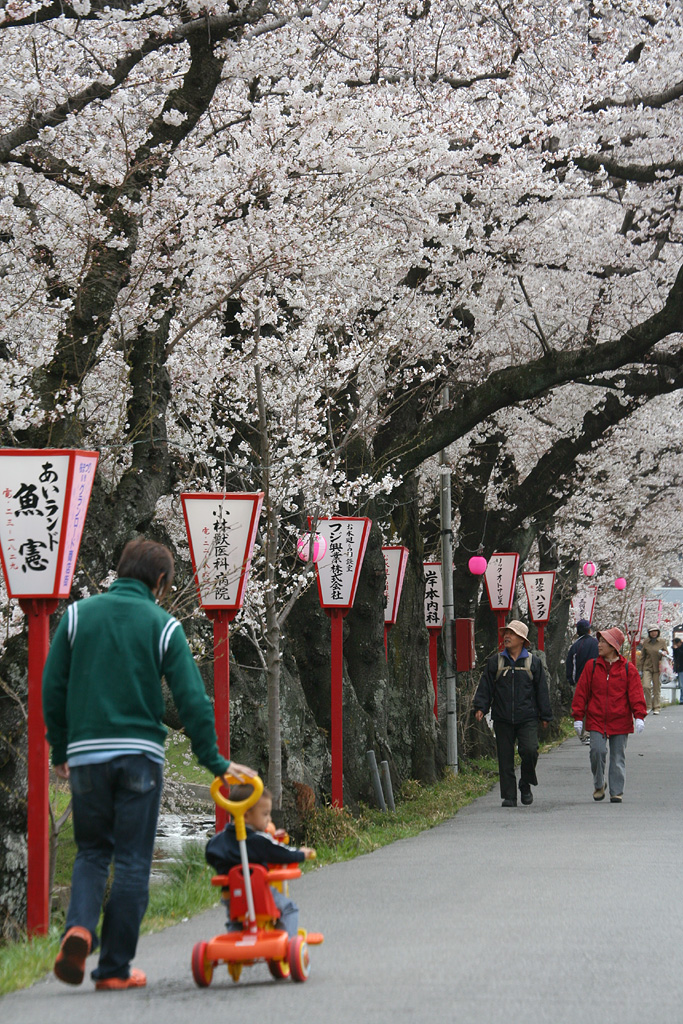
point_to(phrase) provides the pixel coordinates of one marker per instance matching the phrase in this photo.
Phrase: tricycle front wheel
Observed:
(202, 969)
(298, 958)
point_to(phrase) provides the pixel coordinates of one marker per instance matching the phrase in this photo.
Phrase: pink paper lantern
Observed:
(477, 565)
(319, 547)
(620, 583)
(589, 569)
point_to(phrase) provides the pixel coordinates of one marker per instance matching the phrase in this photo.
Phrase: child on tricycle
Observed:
(223, 851)
(262, 920)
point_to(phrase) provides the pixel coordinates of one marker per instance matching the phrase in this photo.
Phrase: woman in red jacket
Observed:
(609, 695)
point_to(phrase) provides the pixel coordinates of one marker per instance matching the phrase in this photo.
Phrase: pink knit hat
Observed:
(614, 637)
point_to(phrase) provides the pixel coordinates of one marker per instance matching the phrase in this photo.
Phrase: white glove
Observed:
(578, 727)
(640, 725)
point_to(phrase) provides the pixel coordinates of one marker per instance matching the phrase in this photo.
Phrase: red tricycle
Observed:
(253, 912)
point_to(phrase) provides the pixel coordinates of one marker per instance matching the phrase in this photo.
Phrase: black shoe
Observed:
(526, 795)
(509, 803)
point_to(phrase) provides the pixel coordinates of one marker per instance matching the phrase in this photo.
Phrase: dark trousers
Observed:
(115, 811)
(526, 736)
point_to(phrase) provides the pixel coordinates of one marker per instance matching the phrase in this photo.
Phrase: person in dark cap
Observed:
(584, 648)
(609, 696)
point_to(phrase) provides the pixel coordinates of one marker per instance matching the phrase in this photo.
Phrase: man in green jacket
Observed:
(103, 710)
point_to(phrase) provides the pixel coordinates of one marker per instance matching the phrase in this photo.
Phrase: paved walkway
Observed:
(565, 912)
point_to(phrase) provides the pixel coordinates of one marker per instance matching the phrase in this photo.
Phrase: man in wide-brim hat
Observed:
(514, 687)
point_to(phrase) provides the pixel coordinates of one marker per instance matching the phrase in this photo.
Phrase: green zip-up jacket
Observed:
(102, 679)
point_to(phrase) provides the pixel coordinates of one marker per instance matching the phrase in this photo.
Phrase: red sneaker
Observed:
(70, 963)
(137, 979)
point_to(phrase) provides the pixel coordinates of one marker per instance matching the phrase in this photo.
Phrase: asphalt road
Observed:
(565, 912)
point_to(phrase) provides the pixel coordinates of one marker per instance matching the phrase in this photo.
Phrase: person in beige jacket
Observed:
(652, 649)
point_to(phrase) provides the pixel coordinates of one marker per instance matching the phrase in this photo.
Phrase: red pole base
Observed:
(221, 688)
(501, 626)
(336, 707)
(38, 613)
(434, 663)
(541, 638)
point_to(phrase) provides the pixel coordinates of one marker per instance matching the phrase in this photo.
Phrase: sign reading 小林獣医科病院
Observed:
(539, 588)
(44, 495)
(338, 570)
(221, 529)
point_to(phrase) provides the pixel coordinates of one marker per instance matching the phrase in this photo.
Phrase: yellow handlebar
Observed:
(237, 808)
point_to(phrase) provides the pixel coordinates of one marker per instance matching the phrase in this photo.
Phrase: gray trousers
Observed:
(617, 761)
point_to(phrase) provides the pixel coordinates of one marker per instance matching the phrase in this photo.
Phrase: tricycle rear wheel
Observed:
(279, 969)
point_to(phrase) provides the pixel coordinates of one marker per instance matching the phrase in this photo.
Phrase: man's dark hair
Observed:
(146, 560)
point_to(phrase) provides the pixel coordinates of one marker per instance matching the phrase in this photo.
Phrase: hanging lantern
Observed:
(319, 547)
(477, 565)
(620, 583)
(589, 569)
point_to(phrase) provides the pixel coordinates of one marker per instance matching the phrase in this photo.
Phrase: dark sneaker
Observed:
(70, 962)
(526, 795)
(137, 979)
(509, 803)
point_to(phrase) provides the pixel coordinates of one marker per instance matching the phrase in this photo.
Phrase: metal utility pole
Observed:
(448, 609)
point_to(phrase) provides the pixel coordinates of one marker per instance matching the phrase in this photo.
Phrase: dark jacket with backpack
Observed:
(581, 651)
(515, 691)
(609, 695)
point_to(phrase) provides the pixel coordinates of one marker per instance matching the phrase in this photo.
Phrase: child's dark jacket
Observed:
(223, 852)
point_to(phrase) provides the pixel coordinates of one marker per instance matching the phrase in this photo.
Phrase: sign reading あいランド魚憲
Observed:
(44, 495)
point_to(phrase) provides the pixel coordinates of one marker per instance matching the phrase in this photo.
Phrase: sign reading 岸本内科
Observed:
(433, 595)
(221, 529)
(44, 495)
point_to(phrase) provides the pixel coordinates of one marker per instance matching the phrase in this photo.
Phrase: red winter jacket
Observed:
(609, 695)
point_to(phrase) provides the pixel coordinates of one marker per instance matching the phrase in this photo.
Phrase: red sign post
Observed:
(221, 529)
(539, 588)
(395, 561)
(434, 620)
(337, 575)
(44, 495)
(500, 579)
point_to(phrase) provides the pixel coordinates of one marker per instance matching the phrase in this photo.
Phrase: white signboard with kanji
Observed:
(395, 561)
(44, 495)
(650, 613)
(500, 578)
(221, 529)
(583, 604)
(433, 595)
(539, 588)
(338, 570)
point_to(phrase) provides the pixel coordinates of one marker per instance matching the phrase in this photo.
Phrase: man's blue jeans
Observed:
(115, 811)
